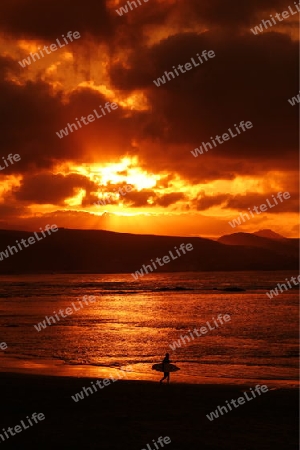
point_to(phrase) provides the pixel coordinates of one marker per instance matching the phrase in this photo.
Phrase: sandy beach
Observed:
(131, 414)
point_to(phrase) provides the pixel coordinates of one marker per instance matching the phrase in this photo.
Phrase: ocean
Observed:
(132, 324)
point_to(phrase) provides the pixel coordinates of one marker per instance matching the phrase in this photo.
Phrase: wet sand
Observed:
(129, 415)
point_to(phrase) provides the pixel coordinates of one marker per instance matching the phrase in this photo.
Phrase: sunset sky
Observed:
(147, 141)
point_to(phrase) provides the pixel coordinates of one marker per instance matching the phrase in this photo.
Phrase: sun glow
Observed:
(126, 171)
(108, 178)
(77, 199)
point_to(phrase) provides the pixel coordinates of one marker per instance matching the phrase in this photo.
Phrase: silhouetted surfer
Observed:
(166, 360)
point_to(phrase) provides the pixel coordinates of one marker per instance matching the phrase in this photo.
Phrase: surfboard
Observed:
(165, 367)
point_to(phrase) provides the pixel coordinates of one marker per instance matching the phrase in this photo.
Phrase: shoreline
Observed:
(209, 385)
(59, 369)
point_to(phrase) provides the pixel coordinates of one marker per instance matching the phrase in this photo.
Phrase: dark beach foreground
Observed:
(131, 414)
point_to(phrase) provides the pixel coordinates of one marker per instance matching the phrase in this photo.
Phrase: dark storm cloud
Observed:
(233, 13)
(140, 199)
(29, 117)
(9, 210)
(46, 188)
(247, 80)
(250, 78)
(31, 114)
(169, 199)
(102, 132)
(252, 199)
(207, 201)
(249, 200)
(49, 19)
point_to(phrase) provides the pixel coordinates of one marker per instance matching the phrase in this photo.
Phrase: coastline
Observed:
(59, 369)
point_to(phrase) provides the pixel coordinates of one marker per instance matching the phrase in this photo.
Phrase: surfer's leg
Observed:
(164, 377)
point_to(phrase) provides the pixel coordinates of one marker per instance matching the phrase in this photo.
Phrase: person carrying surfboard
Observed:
(166, 368)
(166, 360)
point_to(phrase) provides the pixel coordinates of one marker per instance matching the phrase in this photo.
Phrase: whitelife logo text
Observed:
(238, 402)
(188, 66)
(53, 48)
(268, 23)
(263, 208)
(207, 145)
(68, 311)
(201, 331)
(86, 120)
(273, 293)
(86, 391)
(294, 100)
(11, 158)
(165, 259)
(124, 9)
(36, 417)
(31, 240)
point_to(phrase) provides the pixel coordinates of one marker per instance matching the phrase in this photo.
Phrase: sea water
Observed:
(134, 323)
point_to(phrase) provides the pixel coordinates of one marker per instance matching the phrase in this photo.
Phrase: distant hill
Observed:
(96, 251)
(270, 235)
(280, 245)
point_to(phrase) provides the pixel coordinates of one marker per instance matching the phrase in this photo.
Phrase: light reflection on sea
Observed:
(133, 324)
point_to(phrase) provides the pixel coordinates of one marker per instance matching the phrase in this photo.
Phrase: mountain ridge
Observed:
(101, 251)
